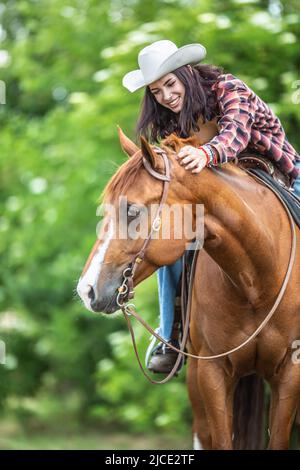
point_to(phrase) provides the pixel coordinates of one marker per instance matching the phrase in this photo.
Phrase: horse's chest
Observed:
(263, 355)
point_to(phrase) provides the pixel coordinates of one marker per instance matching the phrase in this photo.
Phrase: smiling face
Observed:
(169, 91)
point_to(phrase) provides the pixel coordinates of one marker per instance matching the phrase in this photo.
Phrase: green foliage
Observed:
(59, 147)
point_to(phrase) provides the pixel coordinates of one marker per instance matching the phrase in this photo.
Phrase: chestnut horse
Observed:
(239, 273)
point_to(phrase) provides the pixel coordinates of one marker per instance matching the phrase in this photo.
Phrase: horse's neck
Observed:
(241, 234)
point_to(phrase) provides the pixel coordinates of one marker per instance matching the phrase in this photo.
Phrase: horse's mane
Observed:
(127, 173)
(123, 179)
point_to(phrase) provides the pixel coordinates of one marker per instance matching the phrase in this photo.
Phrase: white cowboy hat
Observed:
(160, 58)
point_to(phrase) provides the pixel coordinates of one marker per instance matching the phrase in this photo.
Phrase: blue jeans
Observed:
(168, 278)
(296, 185)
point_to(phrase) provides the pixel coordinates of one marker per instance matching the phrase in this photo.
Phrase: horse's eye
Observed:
(133, 211)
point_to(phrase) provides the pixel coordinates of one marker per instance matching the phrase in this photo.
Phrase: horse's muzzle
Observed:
(105, 304)
(101, 298)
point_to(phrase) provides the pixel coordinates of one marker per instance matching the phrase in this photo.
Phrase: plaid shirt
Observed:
(247, 122)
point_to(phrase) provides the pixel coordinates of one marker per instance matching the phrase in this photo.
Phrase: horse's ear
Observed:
(129, 147)
(149, 153)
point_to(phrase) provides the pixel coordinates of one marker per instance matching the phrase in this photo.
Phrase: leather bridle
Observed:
(126, 290)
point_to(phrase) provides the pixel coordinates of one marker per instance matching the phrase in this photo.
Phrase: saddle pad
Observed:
(291, 200)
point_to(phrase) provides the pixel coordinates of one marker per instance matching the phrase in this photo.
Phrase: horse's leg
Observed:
(217, 391)
(284, 401)
(298, 424)
(201, 433)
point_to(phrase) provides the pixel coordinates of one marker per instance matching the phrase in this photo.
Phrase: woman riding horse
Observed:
(249, 247)
(245, 296)
(186, 99)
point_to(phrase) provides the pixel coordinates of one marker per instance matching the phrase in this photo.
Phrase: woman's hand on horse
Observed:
(192, 158)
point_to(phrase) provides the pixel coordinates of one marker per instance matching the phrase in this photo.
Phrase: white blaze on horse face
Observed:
(91, 276)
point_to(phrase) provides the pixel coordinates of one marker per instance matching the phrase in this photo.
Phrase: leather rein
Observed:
(126, 290)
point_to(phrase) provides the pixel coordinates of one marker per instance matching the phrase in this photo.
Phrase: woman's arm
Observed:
(237, 117)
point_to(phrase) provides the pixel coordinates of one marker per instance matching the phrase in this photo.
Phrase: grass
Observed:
(12, 437)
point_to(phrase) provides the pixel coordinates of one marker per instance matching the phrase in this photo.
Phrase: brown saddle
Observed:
(248, 160)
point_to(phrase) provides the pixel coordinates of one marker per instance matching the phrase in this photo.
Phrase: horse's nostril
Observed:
(91, 294)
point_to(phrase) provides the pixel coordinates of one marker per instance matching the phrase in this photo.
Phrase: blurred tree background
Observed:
(61, 63)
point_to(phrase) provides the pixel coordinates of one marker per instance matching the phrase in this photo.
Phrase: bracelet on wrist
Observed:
(208, 153)
(214, 155)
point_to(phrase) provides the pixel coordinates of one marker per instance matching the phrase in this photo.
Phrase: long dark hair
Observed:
(157, 122)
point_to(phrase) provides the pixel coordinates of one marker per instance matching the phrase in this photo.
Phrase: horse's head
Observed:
(130, 202)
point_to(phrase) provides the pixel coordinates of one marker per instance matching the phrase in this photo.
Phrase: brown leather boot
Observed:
(163, 358)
